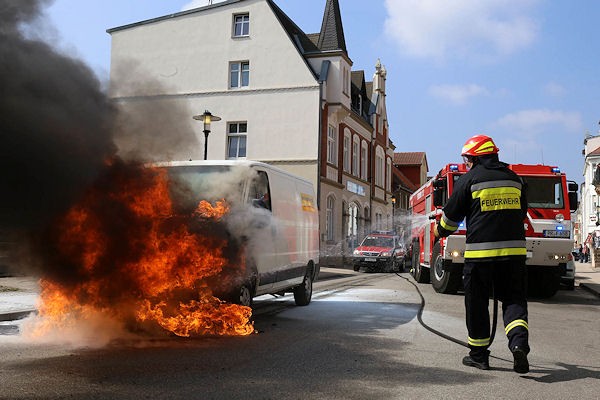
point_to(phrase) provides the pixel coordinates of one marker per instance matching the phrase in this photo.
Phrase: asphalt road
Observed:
(358, 339)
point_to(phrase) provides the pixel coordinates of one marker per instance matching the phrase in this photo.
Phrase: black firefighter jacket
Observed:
(492, 199)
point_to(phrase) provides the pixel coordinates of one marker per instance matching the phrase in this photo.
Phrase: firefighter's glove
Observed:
(435, 231)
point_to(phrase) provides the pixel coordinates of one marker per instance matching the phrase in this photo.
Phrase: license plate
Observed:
(370, 259)
(557, 234)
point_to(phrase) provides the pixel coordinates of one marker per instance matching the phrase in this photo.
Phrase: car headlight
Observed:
(386, 254)
(559, 218)
(356, 253)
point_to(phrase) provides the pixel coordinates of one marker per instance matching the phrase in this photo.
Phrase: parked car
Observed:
(380, 251)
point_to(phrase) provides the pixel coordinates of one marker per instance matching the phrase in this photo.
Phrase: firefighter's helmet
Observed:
(479, 145)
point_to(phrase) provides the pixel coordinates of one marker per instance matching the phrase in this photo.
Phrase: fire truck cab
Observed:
(548, 230)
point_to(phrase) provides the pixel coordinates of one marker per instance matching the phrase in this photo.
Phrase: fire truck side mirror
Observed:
(439, 192)
(573, 201)
(573, 187)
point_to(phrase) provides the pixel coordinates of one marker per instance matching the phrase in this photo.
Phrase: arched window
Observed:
(352, 225)
(364, 168)
(355, 155)
(388, 184)
(379, 167)
(347, 150)
(330, 212)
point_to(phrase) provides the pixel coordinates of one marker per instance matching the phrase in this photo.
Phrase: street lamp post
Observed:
(207, 118)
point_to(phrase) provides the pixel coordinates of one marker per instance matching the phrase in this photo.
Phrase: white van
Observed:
(274, 214)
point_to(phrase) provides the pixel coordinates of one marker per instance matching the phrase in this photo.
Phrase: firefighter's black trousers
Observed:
(508, 279)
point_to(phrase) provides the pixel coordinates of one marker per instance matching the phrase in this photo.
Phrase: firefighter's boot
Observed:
(521, 365)
(470, 362)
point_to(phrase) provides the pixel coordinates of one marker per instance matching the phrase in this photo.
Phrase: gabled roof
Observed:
(410, 158)
(405, 183)
(330, 38)
(174, 15)
(596, 152)
(358, 78)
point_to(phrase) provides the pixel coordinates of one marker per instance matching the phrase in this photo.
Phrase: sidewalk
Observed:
(587, 277)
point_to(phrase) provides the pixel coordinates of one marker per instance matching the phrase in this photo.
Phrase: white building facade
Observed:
(588, 214)
(284, 97)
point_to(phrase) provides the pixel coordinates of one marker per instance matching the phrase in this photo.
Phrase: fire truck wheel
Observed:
(543, 282)
(417, 269)
(447, 282)
(303, 293)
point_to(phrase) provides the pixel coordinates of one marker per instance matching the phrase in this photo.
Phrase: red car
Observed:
(380, 252)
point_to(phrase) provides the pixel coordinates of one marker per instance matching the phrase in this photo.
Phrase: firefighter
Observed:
(492, 199)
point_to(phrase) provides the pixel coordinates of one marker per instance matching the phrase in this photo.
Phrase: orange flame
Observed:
(132, 257)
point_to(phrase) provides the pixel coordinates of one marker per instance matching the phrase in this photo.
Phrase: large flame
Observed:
(124, 252)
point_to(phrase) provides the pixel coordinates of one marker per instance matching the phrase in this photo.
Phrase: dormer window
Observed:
(241, 25)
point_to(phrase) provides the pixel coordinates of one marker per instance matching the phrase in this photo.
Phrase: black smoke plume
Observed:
(56, 124)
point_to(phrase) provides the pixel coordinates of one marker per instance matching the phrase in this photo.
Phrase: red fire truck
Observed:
(548, 230)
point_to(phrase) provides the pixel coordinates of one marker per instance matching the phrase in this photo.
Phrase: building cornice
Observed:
(236, 92)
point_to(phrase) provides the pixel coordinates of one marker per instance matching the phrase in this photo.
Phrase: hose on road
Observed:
(441, 334)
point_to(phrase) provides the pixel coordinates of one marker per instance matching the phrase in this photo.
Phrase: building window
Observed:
(363, 161)
(239, 74)
(388, 183)
(241, 25)
(347, 153)
(379, 168)
(331, 145)
(355, 166)
(236, 140)
(330, 218)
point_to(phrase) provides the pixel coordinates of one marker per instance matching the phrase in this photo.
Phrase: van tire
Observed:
(303, 292)
(245, 296)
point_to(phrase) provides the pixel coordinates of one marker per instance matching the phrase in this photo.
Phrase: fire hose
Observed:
(441, 334)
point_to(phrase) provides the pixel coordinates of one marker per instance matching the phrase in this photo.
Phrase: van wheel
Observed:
(245, 296)
(244, 293)
(303, 293)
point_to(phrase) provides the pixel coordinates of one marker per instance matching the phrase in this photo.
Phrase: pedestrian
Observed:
(492, 199)
(586, 253)
(580, 253)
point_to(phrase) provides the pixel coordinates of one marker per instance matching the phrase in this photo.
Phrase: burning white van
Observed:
(272, 214)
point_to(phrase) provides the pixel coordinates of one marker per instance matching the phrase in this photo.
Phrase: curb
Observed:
(590, 289)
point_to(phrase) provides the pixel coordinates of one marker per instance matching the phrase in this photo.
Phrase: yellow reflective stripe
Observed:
(515, 323)
(479, 342)
(510, 251)
(500, 198)
(447, 227)
(485, 148)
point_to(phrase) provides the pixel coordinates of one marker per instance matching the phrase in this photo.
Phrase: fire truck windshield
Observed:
(544, 192)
